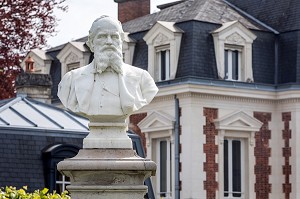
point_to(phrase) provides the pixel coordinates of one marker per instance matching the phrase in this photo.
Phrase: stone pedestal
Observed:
(107, 167)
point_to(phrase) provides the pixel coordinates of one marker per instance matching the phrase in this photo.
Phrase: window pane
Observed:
(235, 65)
(236, 168)
(226, 64)
(163, 65)
(225, 168)
(163, 167)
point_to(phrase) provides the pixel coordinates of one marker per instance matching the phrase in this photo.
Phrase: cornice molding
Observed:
(227, 94)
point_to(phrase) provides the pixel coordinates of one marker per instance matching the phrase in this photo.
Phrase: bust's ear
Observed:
(90, 44)
(122, 36)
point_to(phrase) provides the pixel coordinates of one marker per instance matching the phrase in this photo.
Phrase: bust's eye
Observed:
(115, 36)
(102, 36)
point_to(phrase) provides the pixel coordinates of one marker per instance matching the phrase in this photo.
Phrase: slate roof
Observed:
(283, 15)
(23, 112)
(42, 54)
(212, 11)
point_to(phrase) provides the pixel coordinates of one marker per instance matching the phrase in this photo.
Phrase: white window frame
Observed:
(73, 52)
(160, 35)
(61, 183)
(230, 164)
(229, 75)
(128, 48)
(73, 66)
(238, 125)
(168, 193)
(234, 34)
(158, 126)
(159, 61)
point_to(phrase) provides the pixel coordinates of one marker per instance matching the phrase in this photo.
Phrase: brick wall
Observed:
(210, 149)
(286, 152)
(133, 121)
(131, 9)
(262, 152)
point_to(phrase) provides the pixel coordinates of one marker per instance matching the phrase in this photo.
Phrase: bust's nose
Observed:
(108, 40)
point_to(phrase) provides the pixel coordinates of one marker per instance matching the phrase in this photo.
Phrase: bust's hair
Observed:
(95, 28)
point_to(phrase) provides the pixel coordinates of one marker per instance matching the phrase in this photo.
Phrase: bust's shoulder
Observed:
(80, 70)
(133, 70)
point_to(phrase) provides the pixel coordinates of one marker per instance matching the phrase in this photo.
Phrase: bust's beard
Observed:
(105, 57)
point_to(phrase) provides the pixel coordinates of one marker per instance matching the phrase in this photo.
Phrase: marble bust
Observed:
(107, 89)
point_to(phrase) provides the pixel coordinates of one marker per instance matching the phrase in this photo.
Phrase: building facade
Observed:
(224, 123)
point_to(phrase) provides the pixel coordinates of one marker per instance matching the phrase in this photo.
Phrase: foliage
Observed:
(7, 81)
(13, 193)
(24, 25)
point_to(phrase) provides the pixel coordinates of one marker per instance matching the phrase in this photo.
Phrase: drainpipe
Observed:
(177, 143)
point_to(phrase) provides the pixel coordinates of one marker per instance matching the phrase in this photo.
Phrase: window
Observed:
(163, 64)
(233, 51)
(236, 159)
(232, 64)
(164, 168)
(73, 55)
(233, 168)
(73, 66)
(128, 48)
(163, 41)
(52, 155)
(61, 182)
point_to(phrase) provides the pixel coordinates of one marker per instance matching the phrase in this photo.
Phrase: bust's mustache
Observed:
(109, 47)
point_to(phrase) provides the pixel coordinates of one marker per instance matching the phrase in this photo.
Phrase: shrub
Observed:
(13, 193)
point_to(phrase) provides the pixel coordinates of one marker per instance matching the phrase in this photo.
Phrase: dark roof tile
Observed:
(212, 11)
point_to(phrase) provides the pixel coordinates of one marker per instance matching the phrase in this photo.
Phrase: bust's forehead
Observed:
(106, 24)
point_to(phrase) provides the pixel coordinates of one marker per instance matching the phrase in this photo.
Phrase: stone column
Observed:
(107, 167)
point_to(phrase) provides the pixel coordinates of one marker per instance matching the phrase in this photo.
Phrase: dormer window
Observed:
(163, 41)
(233, 51)
(128, 48)
(72, 56)
(37, 61)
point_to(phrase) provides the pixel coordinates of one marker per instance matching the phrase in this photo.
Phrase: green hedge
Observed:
(13, 193)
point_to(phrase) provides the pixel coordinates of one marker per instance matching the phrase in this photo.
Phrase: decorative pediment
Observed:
(42, 61)
(72, 58)
(128, 48)
(161, 39)
(235, 39)
(73, 52)
(163, 34)
(235, 36)
(235, 31)
(72, 48)
(163, 31)
(238, 121)
(156, 121)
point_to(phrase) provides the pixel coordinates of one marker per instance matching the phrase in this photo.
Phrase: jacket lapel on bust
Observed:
(127, 87)
(84, 84)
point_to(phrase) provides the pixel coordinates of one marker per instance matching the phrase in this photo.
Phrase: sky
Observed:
(76, 22)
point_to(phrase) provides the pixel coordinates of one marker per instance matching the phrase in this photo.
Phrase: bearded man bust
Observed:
(106, 90)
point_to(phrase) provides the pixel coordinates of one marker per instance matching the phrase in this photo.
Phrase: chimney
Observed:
(35, 86)
(131, 9)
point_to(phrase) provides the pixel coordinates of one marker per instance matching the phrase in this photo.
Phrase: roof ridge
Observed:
(251, 17)
(10, 103)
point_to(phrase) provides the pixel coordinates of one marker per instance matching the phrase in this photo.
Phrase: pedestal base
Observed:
(107, 174)
(107, 136)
